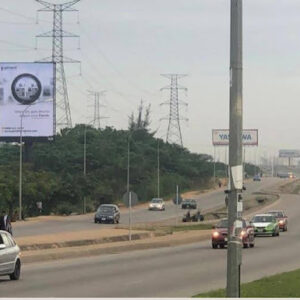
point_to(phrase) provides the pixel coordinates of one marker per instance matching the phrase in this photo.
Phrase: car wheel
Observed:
(252, 245)
(95, 221)
(278, 232)
(17, 272)
(221, 246)
(214, 246)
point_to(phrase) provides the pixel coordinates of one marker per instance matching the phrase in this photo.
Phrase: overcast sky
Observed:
(127, 44)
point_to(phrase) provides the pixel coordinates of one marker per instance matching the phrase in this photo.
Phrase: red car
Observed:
(281, 218)
(220, 232)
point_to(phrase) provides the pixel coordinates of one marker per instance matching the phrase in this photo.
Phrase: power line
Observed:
(174, 134)
(57, 34)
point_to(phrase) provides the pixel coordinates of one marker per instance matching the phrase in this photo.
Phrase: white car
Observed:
(157, 204)
(10, 262)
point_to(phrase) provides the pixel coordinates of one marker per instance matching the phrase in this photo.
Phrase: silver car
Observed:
(10, 262)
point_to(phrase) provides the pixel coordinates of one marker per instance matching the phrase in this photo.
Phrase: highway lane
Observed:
(85, 222)
(167, 272)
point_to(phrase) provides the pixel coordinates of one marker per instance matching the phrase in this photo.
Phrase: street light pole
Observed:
(235, 151)
(158, 191)
(84, 167)
(128, 193)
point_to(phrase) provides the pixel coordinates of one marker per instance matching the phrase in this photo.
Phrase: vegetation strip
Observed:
(281, 285)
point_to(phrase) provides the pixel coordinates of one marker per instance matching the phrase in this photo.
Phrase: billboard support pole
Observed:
(214, 166)
(21, 162)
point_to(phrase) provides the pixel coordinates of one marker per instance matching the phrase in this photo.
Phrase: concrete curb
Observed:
(77, 252)
(76, 243)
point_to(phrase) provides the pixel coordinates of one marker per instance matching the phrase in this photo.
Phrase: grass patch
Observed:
(285, 285)
(191, 227)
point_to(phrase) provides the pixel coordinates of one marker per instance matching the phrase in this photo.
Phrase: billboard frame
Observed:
(227, 144)
(11, 139)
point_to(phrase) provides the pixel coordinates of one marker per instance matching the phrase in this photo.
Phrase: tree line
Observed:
(54, 173)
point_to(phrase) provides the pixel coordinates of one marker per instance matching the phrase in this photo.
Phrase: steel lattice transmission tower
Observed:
(174, 131)
(63, 112)
(96, 121)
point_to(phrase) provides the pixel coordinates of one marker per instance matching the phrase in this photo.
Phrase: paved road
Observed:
(167, 272)
(76, 223)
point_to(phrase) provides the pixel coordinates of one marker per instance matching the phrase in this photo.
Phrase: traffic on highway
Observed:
(105, 191)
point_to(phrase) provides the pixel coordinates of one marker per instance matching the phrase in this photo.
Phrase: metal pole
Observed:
(129, 216)
(128, 193)
(158, 169)
(244, 162)
(214, 165)
(84, 167)
(235, 149)
(20, 168)
(176, 204)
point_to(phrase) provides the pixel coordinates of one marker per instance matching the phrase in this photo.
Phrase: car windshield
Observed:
(277, 214)
(105, 209)
(222, 224)
(156, 200)
(263, 219)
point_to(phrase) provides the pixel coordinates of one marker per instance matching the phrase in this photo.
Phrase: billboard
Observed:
(220, 137)
(27, 100)
(289, 153)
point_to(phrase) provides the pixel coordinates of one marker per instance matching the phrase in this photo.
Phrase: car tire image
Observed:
(17, 271)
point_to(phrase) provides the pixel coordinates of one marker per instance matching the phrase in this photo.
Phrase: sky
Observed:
(125, 46)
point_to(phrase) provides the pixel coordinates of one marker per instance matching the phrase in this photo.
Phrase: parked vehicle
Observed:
(193, 218)
(220, 234)
(256, 178)
(265, 224)
(107, 213)
(157, 204)
(281, 218)
(189, 204)
(10, 262)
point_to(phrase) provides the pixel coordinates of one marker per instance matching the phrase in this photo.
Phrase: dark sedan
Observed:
(107, 213)
(189, 204)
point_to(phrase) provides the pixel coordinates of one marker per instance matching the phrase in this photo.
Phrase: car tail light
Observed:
(216, 234)
(281, 222)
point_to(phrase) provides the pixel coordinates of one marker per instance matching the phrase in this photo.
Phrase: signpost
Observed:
(130, 199)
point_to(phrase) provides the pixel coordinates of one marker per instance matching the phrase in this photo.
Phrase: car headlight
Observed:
(216, 234)
(243, 233)
(281, 222)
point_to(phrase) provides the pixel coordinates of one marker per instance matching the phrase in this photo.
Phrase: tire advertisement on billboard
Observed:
(27, 100)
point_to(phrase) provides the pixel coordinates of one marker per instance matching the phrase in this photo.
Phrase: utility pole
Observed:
(84, 167)
(158, 191)
(128, 189)
(63, 112)
(174, 131)
(234, 251)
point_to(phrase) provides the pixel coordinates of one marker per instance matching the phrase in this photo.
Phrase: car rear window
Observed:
(263, 219)
(222, 224)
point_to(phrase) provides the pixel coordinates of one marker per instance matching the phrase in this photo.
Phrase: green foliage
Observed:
(285, 285)
(55, 176)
